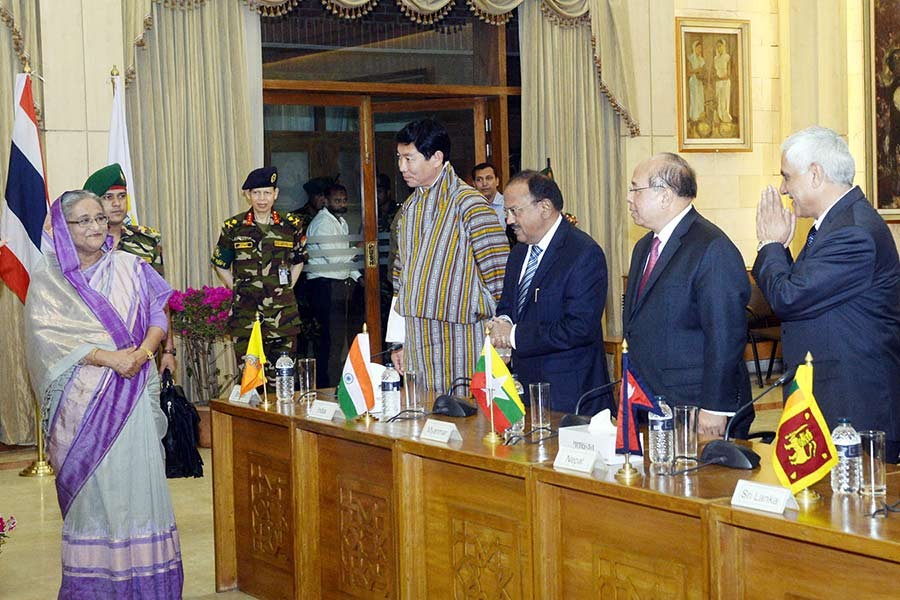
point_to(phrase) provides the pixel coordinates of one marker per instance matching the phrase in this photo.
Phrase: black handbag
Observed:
(183, 433)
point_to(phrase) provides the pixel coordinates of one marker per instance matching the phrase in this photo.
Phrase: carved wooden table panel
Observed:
(832, 549)
(263, 509)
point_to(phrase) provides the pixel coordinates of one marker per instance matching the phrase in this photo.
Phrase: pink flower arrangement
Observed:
(6, 526)
(201, 314)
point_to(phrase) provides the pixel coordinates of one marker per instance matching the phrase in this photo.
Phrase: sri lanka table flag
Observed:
(804, 452)
(491, 373)
(634, 396)
(254, 360)
(355, 393)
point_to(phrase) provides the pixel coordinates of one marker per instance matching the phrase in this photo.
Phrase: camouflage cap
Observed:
(108, 177)
(261, 178)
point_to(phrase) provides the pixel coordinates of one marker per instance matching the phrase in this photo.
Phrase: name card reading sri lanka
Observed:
(759, 496)
(572, 459)
(440, 431)
(322, 410)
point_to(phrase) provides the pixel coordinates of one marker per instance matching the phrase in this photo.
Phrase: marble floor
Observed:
(29, 561)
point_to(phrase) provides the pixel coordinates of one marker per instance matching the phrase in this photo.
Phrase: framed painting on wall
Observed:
(713, 80)
(882, 49)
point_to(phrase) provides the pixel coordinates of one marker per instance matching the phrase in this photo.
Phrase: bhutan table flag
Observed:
(804, 452)
(254, 360)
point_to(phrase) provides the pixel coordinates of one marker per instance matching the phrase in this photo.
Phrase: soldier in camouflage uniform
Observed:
(144, 242)
(259, 254)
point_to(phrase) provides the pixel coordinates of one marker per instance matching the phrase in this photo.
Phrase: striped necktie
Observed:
(811, 236)
(525, 283)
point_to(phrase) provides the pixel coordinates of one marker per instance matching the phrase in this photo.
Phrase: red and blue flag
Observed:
(26, 201)
(635, 396)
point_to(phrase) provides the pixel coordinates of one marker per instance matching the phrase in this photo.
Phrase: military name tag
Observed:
(322, 410)
(759, 496)
(243, 245)
(571, 459)
(283, 244)
(440, 431)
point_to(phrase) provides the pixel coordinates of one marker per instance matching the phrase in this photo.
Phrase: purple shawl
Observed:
(110, 409)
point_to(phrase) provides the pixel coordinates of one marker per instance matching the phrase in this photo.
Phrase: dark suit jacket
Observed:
(559, 338)
(687, 331)
(841, 302)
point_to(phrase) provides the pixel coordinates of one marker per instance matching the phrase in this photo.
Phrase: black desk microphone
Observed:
(728, 454)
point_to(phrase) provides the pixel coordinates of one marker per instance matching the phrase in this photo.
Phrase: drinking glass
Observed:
(686, 432)
(872, 479)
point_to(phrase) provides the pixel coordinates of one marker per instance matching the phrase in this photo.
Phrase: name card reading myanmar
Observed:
(571, 459)
(322, 410)
(759, 496)
(440, 431)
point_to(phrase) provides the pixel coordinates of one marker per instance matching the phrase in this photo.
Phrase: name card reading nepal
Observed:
(571, 459)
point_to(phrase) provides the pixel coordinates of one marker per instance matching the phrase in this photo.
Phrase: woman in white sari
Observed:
(93, 317)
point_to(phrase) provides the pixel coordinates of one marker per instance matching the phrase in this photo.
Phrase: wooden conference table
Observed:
(305, 508)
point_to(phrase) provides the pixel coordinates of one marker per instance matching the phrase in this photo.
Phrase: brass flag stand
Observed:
(40, 467)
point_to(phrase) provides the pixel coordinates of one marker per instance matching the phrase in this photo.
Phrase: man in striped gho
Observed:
(448, 273)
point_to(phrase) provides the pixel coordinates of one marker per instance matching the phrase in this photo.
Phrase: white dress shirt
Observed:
(327, 224)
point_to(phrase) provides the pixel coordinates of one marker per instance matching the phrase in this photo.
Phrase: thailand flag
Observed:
(26, 200)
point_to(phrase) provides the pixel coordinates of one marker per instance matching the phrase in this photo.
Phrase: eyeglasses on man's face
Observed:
(635, 190)
(517, 211)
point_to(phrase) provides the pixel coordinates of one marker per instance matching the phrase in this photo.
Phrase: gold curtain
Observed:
(136, 22)
(611, 41)
(18, 42)
(496, 12)
(188, 119)
(566, 118)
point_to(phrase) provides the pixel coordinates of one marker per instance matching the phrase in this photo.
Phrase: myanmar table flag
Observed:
(355, 393)
(804, 452)
(491, 372)
(254, 360)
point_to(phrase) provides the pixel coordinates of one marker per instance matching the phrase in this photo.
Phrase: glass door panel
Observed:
(318, 146)
(466, 150)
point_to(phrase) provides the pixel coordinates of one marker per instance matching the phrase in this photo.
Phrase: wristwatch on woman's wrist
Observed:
(171, 351)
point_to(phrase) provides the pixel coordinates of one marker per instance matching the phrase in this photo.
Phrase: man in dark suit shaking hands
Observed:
(840, 298)
(685, 303)
(553, 296)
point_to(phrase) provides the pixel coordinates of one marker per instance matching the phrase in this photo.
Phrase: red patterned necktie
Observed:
(651, 262)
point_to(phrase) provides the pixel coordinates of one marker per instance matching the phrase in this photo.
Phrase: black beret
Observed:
(261, 178)
(318, 185)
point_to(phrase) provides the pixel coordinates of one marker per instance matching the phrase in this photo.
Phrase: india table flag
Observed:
(804, 452)
(491, 373)
(354, 392)
(254, 360)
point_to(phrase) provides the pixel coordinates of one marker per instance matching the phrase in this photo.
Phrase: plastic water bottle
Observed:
(518, 428)
(284, 378)
(390, 392)
(662, 434)
(845, 474)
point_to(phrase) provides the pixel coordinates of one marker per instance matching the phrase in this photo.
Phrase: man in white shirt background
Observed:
(486, 181)
(335, 286)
